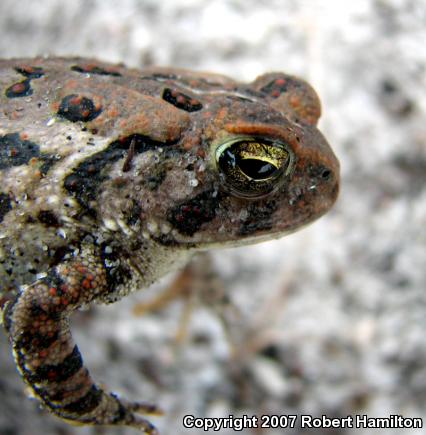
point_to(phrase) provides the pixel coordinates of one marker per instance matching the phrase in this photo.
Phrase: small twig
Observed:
(130, 155)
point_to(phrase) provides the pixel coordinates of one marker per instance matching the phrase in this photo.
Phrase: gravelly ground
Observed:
(327, 321)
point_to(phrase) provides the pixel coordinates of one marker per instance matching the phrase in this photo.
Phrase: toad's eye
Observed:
(253, 167)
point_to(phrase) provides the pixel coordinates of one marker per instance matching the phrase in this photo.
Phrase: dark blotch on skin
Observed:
(59, 372)
(87, 403)
(49, 161)
(31, 72)
(35, 340)
(181, 101)
(76, 108)
(259, 218)
(5, 205)
(14, 151)
(20, 89)
(36, 310)
(84, 182)
(189, 216)
(48, 218)
(163, 76)
(280, 85)
(95, 69)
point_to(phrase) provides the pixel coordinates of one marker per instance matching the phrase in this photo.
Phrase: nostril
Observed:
(326, 174)
(319, 172)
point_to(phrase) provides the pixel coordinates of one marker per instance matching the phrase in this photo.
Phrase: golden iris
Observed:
(252, 166)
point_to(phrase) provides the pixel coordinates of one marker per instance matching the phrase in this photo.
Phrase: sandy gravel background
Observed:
(328, 321)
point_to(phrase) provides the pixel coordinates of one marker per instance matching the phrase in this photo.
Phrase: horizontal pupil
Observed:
(256, 169)
(251, 168)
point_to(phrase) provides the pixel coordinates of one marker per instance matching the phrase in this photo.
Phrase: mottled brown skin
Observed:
(110, 178)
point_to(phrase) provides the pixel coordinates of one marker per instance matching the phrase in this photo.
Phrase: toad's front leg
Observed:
(37, 322)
